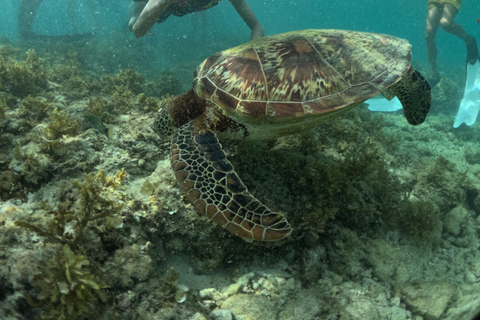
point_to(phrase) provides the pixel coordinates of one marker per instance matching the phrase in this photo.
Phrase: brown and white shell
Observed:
(300, 73)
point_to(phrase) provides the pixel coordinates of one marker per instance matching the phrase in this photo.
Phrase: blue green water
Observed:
(199, 35)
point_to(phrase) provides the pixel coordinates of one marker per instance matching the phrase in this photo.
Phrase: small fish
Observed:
(478, 20)
(95, 121)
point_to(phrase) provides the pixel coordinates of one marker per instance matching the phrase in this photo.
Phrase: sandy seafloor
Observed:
(386, 216)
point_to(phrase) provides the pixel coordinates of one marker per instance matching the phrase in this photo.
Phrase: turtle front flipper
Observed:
(211, 184)
(414, 93)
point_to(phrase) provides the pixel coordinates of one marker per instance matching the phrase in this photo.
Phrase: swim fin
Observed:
(472, 52)
(384, 105)
(470, 105)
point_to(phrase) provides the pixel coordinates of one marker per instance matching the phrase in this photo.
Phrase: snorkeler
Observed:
(442, 13)
(27, 10)
(145, 14)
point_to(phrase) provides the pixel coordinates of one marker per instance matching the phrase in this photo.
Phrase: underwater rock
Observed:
(221, 314)
(429, 299)
(386, 262)
(250, 307)
(198, 316)
(128, 266)
(467, 306)
(453, 220)
(472, 156)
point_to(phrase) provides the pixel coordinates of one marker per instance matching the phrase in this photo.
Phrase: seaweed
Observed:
(77, 87)
(421, 221)
(122, 99)
(67, 287)
(64, 67)
(148, 104)
(168, 289)
(335, 171)
(60, 124)
(7, 51)
(445, 182)
(97, 105)
(94, 201)
(33, 110)
(23, 78)
(3, 108)
(127, 79)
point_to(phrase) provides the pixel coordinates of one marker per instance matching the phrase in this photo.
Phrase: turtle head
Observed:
(163, 124)
(177, 111)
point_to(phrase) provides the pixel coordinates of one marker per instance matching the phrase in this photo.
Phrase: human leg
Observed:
(433, 22)
(71, 16)
(93, 11)
(27, 10)
(244, 10)
(149, 15)
(448, 14)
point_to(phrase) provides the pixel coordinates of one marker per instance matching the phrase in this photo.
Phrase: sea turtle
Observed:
(275, 86)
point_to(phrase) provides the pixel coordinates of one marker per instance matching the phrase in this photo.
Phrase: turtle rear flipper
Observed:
(211, 184)
(414, 93)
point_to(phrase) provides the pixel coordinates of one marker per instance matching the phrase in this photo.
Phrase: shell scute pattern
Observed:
(302, 73)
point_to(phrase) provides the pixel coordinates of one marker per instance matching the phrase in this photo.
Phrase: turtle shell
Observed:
(300, 73)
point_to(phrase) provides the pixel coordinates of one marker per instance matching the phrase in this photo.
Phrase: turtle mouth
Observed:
(186, 107)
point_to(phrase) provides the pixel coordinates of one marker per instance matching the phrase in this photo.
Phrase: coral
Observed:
(95, 200)
(68, 289)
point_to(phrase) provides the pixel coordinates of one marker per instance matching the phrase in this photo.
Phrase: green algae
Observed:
(3, 108)
(23, 78)
(94, 201)
(34, 110)
(60, 124)
(68, 289)
(127, 79)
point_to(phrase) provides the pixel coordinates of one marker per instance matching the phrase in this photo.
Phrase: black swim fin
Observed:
(472, 52)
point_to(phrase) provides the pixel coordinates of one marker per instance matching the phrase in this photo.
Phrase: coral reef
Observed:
(385, 215)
